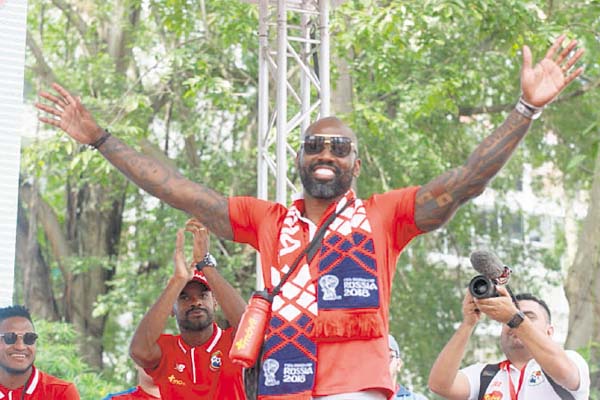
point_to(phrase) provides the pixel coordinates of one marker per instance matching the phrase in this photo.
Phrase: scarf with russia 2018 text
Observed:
(340, 303)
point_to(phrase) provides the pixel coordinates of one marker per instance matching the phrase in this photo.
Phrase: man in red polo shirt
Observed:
(194, 364)
(19, 379)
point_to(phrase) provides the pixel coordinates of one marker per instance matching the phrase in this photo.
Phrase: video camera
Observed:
(492, 271)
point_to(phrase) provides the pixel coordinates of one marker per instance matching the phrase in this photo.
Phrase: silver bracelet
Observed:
(528, 110)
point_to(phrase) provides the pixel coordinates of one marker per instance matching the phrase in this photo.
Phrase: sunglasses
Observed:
(29, 338)
(339, 146)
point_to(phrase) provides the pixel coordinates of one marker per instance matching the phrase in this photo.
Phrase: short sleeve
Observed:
(163, 342)
(397, 212)
(246, 215)
(71, 393)
(584, 375)
(473, 374)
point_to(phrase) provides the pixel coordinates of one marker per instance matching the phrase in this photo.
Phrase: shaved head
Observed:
(331, 126)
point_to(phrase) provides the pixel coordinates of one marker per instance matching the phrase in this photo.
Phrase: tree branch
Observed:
(52, 228)
(43, 69)
(75, 19)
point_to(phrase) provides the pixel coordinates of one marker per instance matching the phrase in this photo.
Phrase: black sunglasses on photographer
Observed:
(339, 146)
(29, 338)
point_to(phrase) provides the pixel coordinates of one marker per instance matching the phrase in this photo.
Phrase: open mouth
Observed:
(18, 356)
(324, 172)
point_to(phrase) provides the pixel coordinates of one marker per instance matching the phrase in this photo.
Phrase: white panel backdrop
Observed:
(13, 15)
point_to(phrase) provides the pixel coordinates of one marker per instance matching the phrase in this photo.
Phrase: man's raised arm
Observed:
(438, 200)
(160, 180)
(144, 348)
(228, 298)
(445, 379)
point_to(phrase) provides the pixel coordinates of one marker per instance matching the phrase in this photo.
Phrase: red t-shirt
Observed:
(42, 387)
(136, 393)
(355, 365)
(201, 372)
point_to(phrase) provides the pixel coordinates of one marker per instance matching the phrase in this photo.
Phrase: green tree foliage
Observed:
(56, 355)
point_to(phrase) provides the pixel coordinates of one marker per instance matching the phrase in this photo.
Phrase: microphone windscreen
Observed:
(486, 263)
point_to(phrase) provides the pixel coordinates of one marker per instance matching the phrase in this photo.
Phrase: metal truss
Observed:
(293, 84)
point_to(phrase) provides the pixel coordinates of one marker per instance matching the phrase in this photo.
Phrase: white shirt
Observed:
(534, 385)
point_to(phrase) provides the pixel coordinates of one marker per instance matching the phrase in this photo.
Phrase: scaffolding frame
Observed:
(286, 63)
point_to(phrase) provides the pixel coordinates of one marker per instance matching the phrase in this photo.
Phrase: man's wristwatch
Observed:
(528, 110)
(516, 320)
(208, 260)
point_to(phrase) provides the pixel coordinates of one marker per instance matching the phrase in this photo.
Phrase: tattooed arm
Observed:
(157, 178)
(438, 200)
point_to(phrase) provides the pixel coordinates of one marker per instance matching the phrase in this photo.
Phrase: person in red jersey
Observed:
(194, 364)
(145, 390)
(19, 378)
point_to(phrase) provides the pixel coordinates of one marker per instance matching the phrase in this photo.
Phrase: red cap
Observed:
(199, 277)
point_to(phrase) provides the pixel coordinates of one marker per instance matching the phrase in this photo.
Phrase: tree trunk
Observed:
(95, 225)
(37, 286)
(342, 92)
(583, 283)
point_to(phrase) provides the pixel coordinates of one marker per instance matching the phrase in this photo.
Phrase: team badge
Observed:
(536, 378)
(495, 395)
(216, 360)
(179, 367)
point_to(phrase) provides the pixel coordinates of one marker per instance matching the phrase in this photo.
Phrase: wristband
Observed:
(207, 261)
(516, 320)
(528, 110)
(96, 145)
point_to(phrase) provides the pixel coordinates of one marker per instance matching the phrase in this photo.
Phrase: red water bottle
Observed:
(251, 330)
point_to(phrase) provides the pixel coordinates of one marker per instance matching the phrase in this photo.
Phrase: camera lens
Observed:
(482, 287)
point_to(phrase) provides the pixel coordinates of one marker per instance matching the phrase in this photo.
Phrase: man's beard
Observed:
(330, 189)
(196, 325)
(14, 371)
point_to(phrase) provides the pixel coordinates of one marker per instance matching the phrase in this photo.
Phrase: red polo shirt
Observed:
(201, 372)
(42, 387)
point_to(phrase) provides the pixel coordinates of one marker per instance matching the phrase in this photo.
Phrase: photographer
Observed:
(535, 367)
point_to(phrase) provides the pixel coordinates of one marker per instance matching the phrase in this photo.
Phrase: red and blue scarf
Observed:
(336, 300)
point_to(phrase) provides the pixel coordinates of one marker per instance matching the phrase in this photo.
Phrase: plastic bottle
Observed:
(251, 330)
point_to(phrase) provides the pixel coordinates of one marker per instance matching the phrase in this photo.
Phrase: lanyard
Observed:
(514, 394)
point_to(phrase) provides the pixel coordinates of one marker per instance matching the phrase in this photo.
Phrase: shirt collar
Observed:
(207, 346)
(32, 383)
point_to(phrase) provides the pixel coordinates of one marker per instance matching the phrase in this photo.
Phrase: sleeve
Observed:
(163, 342)
(246, 214)
(473, 373)
(397, 209)
(584, 375)
(71, 393)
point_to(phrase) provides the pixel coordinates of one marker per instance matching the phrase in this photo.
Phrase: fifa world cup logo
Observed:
(328, 284)
(270, 368)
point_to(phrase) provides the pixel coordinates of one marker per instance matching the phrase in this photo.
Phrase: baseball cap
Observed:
(394, 345)
(200, 278)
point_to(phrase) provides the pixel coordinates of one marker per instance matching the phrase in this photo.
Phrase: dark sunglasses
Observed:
(339, 146)
(29, 338)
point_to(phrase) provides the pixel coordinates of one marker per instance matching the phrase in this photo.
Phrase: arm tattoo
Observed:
(165, 182)
(438, 200)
